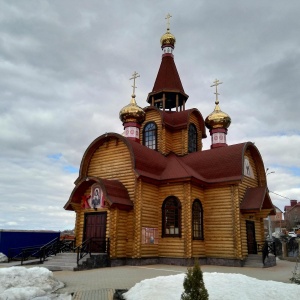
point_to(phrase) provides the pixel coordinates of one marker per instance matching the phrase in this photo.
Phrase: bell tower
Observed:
(167, 92)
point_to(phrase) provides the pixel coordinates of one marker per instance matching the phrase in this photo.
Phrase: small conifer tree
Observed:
(194, 288)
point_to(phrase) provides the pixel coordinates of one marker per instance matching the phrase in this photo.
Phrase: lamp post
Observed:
(269, 219)
(268, 173)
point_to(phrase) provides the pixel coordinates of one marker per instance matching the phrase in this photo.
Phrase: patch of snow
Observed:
(20, 283)
(219, 286)
(3, 257)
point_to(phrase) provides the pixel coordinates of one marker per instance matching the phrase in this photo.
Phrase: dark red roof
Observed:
(224, 164)
(167, 77)
(219, 164)
(215, 165)
(256, 199)
(114, 191)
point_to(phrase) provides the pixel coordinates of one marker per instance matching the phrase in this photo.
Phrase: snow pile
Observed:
(219, 286)
(3, 257)
(19, 283)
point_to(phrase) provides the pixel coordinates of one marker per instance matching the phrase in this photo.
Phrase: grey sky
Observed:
(64, 76)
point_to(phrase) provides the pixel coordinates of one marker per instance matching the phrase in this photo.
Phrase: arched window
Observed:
(171, 217)
(150, 135)
(192, 138)
(197, 220)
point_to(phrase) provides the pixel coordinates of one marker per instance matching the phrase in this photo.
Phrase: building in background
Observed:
(292, 215)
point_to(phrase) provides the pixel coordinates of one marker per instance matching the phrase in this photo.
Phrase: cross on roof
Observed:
(134, 76)
(168, 21)
(216, 83)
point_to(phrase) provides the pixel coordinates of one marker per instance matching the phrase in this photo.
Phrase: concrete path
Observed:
(100, 283)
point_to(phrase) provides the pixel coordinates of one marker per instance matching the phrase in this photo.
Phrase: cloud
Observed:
(65, 69)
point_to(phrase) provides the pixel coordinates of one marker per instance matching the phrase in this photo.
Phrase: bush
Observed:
(194, 288)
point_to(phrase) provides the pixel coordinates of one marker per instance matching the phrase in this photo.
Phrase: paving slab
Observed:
(125, 277)
(101, 283)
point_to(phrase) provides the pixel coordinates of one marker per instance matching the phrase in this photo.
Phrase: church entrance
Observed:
(95, 231)
(251, 241)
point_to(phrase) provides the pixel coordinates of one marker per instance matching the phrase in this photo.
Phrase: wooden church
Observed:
(155, 196)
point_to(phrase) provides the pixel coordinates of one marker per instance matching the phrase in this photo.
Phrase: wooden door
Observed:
(251, 241)
(95, 230)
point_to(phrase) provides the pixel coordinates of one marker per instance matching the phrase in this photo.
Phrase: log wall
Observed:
(149, 216)
(249, 182)
(172, 141)
(123, 233)
(195, 121)
(112, 160)
(219, 224)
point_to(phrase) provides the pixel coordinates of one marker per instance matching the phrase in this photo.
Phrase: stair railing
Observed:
(41, 252)
(91, 245)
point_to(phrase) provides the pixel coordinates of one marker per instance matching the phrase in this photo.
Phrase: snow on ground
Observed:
(219, 286)
(3, 257)
(20, 283)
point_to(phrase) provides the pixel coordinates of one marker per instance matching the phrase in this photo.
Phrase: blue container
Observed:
(15, 240)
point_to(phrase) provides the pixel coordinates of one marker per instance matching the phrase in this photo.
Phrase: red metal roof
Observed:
(224, 164)
(116, 194)
(214, 165)
(256, 199)
(114, 191)
(219, 164)
(167, 77)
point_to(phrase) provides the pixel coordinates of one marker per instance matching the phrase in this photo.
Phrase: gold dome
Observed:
(167, 39)
(132, 112)
(217, 119)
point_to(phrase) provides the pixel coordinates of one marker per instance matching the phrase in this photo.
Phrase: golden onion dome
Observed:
(217, 119)
(132, 112)
(167, 39)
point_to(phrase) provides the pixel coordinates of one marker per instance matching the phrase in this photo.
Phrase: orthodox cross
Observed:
(168, 21)
(135, 75)
(216, 83)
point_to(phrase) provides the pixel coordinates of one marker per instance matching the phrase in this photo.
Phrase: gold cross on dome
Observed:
(216, 83)
(135, 75)
(168, 21)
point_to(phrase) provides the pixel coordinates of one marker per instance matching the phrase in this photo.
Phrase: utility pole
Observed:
(269, 218)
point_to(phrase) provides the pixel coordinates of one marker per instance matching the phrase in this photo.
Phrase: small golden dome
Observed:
(132, 112)
(167, 39)
(217, 119)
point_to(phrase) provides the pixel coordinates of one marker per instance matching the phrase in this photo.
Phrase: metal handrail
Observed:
(42, 252)
(86, 247)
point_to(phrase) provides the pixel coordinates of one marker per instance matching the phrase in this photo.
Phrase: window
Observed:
(197, 220)
(192, 138)
(171, 217)
(149, 136)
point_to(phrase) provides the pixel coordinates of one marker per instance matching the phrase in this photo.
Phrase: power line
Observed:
(279, 195)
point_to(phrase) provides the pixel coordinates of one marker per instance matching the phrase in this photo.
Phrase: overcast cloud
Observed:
(64, 76)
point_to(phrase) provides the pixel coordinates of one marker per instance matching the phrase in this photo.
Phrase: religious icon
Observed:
(96, 199)
(247, 168)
